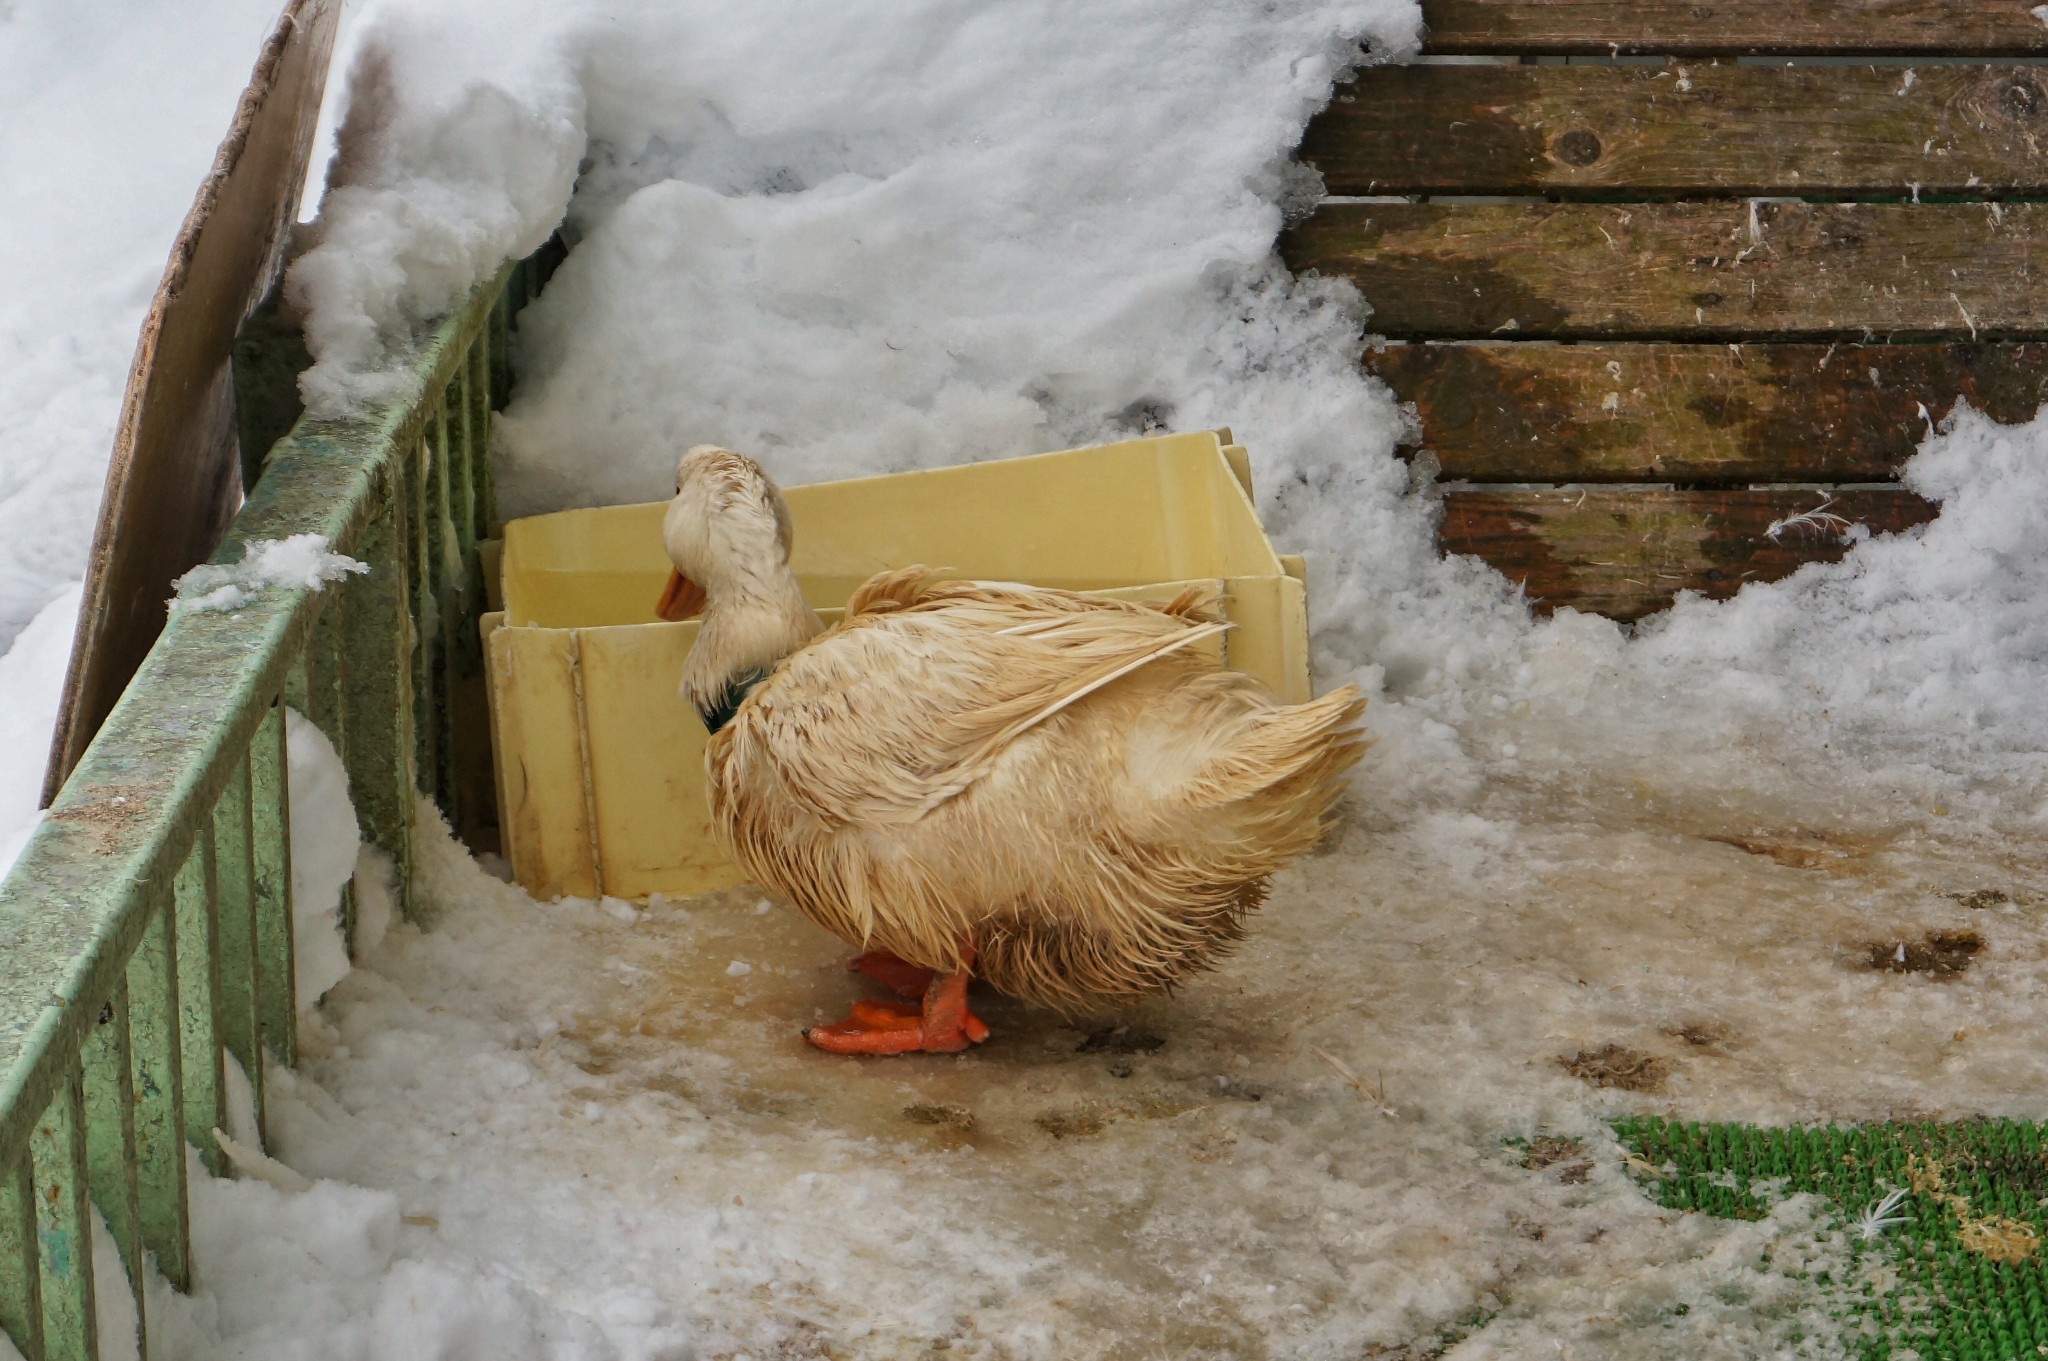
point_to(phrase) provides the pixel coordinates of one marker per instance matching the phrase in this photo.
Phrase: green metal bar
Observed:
(330, 636)
(463, 437)
(312, 689)
(482, 356)
(64, 1226)
(110, 1136)
(380, 698)
(473, 798)
(498, 338)
(298, 684)
(156, 1077)
(483, 504)
(21, 1287)
(270, 824)
(426, 639)
(234, 860)
(198, 935)
(447, 579)
(327, 676)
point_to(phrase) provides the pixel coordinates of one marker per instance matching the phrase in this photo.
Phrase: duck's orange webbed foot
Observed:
(942, 1024)
(904, 979)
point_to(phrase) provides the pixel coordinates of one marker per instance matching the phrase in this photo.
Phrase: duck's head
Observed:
(727, 531)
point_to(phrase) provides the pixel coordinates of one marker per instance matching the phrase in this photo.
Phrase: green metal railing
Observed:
(146, 931)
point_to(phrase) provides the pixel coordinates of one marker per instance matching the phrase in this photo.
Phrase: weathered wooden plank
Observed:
(1697, 413)
(2001, 28)
(1799, 131)
(1687, 271)
(1626, 553)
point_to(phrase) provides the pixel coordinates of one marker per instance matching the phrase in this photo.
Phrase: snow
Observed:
(112, 117)
(325, 851)
(32, 686)
(113, 1297)
(301, 561)
(460, 143)
(881, 236)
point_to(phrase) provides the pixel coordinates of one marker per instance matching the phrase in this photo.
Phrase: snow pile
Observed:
(109, 117)
(1886, 691)
(113, 1298)
(334, 1271)
(982, 233)
(376, 881)
(463, 130)
(301, 562)
(325, 845)
(32, 685)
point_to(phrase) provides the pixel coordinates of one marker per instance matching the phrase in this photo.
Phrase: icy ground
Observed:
(594, 1131)
(1770, 859)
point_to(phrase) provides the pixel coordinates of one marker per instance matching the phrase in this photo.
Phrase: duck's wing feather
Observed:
(917, 694)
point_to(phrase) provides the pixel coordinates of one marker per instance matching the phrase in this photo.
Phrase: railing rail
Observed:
(146, 930)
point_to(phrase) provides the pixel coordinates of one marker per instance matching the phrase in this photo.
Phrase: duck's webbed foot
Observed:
(904, 979)
(941, 1024)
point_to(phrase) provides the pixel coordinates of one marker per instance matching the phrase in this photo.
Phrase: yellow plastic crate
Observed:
(600, 763)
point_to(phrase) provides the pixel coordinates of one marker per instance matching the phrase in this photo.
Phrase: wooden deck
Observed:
(1732, 285)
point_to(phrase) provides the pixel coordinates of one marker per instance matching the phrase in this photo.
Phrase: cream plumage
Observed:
(1058, 793)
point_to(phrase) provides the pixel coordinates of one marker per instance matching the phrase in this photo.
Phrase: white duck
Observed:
(1052, 791)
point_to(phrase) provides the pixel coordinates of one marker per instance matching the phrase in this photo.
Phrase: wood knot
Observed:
(2021, 99)
(1577, 147)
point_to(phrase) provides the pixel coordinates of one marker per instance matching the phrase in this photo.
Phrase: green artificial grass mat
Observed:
(1969, 1264)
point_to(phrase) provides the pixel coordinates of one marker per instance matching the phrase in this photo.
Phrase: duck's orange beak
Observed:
(684, 599)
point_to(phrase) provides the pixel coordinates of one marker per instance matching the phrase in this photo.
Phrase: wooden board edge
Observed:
(310, 25)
